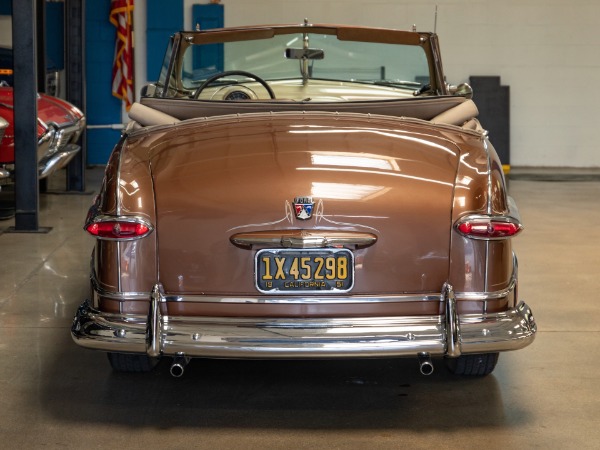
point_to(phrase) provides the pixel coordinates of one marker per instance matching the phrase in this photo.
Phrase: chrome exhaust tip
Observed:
(425, 364)
(178, 366)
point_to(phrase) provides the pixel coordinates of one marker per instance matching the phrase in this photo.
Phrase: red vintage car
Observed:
(59, 126)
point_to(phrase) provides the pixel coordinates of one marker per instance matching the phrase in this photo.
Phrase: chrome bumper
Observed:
(56, 161)
(263, 338)
(4, 176)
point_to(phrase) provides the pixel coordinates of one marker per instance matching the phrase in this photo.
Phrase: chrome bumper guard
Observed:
(4, 176)
(263, 338)
(56, 161)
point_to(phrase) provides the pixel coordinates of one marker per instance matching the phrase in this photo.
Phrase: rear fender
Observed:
(477, 265)
(126, 265)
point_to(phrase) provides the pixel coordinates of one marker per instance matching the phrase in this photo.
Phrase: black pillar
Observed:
(75, 78)
(25, 113)
(493, 102)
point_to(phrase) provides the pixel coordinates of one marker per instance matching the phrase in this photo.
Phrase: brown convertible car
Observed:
(304, 191)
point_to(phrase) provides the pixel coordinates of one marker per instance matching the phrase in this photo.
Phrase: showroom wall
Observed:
(547, 51)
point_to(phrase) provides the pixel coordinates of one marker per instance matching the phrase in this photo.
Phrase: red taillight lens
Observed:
(488, 227)
(117, 229)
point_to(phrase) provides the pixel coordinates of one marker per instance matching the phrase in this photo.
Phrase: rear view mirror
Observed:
(304, 53)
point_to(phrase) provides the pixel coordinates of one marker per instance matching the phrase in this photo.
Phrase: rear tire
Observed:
(473, 365)
(127, 362)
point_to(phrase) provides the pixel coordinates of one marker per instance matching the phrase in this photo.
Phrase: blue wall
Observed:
(55, 24)
(102, 107)
(161, 23)
(55, 39)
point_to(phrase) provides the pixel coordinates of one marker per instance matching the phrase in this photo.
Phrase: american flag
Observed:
(121, 16)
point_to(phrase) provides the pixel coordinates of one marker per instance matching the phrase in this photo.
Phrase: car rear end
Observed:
(303, 235)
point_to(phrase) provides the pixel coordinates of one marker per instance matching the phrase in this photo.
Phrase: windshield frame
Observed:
(182, 40)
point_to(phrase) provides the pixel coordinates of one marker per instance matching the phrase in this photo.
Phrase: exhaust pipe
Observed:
(178, 366)
(425, 364)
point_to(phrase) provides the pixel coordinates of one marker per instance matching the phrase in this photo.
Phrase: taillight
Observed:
(488, 227)
(118, 228)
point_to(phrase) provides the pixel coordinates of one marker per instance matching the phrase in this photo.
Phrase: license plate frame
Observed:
(303, 272)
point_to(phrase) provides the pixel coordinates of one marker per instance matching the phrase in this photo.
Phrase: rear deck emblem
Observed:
(303, 207)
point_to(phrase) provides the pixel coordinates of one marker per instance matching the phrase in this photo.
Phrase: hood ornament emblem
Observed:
(303, 206)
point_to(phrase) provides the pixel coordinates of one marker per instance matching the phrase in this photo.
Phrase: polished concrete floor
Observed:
(54, 394)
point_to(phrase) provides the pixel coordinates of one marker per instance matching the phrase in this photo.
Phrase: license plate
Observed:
(304, 271)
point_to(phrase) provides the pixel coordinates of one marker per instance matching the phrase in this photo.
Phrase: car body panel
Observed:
(226, 161)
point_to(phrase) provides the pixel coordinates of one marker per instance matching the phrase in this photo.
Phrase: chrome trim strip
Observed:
(487, 268)
(472, 296)
(119, 272)
(116, 295)
(490, 191)
(303, 338)
(308, 300)
(118, 150)
(118, 210)
(490, 210)
(434, 296)
(289, 300)
(303, 239)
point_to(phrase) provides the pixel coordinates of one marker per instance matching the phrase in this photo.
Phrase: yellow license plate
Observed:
(304, 271)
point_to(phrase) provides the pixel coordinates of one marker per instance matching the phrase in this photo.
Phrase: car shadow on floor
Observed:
(325, 394)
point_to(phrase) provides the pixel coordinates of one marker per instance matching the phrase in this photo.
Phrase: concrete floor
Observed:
(54, 394)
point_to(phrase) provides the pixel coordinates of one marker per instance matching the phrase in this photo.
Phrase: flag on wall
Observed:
(121, 16)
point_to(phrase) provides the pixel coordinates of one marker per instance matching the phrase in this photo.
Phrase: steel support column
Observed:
(25, 109)
(75, 77)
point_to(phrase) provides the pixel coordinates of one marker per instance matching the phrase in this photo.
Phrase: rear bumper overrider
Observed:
(262, 338)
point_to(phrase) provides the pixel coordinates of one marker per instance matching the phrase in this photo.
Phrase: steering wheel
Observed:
(208, 81)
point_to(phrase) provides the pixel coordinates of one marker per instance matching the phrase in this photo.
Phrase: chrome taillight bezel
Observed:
(104, 219)
(495, 227)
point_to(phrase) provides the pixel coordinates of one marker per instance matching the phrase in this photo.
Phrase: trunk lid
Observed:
(387, 177)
